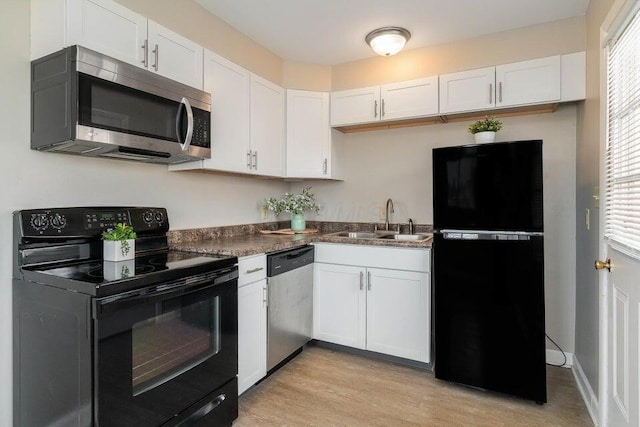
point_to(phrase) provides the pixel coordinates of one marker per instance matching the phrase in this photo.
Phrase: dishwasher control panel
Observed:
(282, 262)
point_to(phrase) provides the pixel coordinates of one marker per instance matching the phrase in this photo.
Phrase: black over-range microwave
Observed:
(89, 104)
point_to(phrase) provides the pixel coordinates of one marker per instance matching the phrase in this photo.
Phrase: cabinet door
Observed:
(107, 27)
(528, 82)
(398, 307)
(252, 334)
(267, 127)
(349, 107)
(414, 98)
(339, 305)
(308, 134)
(174, 56)
(467, 90)
(229, 85)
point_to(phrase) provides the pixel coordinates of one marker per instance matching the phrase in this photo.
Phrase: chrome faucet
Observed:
(410, 226)
(389, 211)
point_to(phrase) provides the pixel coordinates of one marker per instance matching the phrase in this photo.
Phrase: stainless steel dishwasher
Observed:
(290, 303)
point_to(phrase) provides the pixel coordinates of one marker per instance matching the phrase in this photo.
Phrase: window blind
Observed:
(622, 191)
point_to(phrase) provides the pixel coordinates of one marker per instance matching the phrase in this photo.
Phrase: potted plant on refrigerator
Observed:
(296, 205)
(484, 130)
(119, 243)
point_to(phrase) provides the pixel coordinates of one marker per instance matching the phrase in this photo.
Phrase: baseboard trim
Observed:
(589, 397)
(555, 357)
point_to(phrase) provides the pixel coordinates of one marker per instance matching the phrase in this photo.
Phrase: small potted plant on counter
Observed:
(296, 205)
(485, 130)
(119, 243)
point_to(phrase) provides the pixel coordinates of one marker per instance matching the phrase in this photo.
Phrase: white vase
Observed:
(484, 137)
(119, 250)
(112, 270)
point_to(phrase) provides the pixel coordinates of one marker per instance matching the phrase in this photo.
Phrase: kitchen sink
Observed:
(356, 235)
(414, 237)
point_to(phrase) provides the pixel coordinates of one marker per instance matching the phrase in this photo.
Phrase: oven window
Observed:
(173, 341)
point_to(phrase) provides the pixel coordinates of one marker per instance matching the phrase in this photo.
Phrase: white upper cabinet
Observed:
(113, 30)
(413, 98)
(267, 127)
(107, 27)
(355, 106)
(528, 82)
(573, 81)
(174, 56)
(467, 90)
(308, 134)
(394, 101)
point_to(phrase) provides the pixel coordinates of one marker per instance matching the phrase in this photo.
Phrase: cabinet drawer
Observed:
(409, 259)
(251, 268)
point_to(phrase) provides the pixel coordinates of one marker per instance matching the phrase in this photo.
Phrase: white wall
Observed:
(31, 179)
(396, 164)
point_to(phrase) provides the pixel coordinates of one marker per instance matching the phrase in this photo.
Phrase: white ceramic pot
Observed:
(112, 270)
(484, 137)
(119, 250)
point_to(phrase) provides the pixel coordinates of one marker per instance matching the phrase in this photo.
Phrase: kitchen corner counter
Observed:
(246, 240)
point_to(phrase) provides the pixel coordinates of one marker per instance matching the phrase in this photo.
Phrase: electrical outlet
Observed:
(265, 213)
(382, 215)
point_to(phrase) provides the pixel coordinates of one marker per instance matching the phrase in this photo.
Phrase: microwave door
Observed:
(184, 111)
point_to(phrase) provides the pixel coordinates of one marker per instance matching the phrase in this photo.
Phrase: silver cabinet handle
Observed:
(155, 51)
(382, 114)
(500, 92)
(265, 296)
(187, 138)
(324, 166)
(361, 280)
(255, 270)
(490, 93)
(255, 160)
(145, 54)
(368, 280)
(375, 108)
(249, 159)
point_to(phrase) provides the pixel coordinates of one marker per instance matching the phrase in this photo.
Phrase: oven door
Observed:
(162, 349)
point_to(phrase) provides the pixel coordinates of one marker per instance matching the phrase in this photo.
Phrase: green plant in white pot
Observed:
(119, 243)
(296, 205)
(485, 130)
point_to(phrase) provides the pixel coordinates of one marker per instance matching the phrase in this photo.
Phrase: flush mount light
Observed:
(387, 41)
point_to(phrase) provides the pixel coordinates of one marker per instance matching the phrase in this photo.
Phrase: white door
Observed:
(339, 304)
(413, 98)
(620, 227)
(229, 85)
(468, 90)
(308, 136)
(528, 82)
(252, 334)
(174, 56)
(109, 28)
(398, 307)
(267, 127)
(354, 106)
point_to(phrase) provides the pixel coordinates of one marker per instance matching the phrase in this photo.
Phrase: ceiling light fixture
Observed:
(387, 41)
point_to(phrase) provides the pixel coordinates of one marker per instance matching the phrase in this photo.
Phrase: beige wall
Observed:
(191, 20)
(538, 41)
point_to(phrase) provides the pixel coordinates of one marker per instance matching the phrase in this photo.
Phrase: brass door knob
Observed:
(603, 264)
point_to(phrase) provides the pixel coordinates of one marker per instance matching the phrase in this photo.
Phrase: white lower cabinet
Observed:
(377, 309)
(252, 321)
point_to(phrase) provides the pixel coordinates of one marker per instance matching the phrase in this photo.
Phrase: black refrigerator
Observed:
(488, 267)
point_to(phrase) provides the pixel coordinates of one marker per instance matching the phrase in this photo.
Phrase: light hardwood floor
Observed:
(323, 387)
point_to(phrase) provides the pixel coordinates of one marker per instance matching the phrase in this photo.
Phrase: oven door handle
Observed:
(179, 288)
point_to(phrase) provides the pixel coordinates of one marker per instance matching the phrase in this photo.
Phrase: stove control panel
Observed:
(90, 222)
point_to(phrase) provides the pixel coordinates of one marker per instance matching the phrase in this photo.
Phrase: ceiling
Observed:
(332, 31)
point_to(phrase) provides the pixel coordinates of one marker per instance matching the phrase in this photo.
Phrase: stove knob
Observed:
(58, 221)
(39, 221)
(159, 217)
(147, 217)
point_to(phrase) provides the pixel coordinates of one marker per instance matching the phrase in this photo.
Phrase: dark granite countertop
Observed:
(230, 241)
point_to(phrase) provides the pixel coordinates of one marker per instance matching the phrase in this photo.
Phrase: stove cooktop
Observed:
(98, 277)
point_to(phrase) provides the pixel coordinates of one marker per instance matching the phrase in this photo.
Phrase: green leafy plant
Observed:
(293, 203)
(121, 232)
(488, 124)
